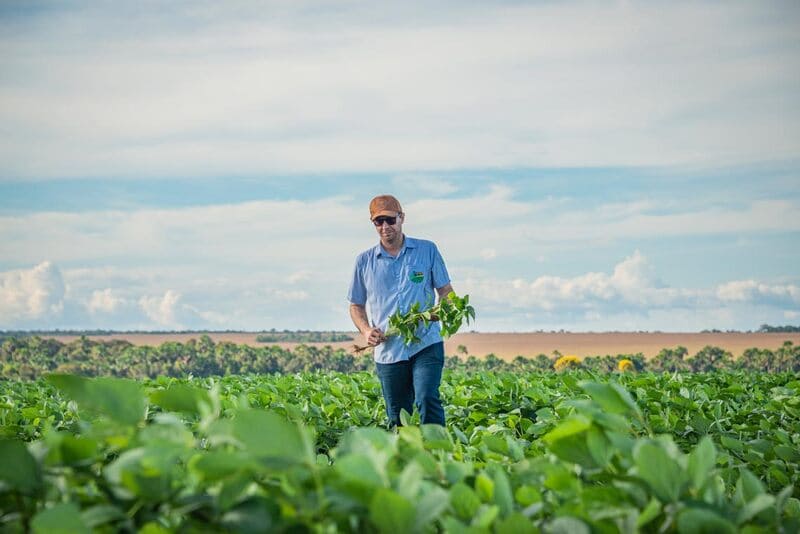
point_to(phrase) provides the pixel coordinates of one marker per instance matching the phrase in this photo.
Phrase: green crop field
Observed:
(307, 452)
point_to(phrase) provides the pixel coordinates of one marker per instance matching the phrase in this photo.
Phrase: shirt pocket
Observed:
(416, 275)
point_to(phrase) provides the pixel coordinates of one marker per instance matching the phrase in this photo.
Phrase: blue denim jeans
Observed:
(414, 383)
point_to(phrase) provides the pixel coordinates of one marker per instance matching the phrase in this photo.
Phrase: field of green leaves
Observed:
(522, 452)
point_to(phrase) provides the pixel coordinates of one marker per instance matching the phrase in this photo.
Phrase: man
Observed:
(388, 277)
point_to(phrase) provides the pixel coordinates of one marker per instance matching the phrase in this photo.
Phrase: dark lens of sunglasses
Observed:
(379, 221)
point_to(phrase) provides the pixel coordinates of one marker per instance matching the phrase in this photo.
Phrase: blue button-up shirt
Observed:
(387, 284)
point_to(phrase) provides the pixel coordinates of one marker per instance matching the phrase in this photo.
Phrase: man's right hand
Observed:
(374, 337)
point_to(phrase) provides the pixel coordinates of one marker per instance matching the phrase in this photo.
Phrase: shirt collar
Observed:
(408, 242)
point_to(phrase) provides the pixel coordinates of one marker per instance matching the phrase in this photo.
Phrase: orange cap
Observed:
(384, 205)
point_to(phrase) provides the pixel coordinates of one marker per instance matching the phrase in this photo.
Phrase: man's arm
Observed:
(358, 314)
(444, 291)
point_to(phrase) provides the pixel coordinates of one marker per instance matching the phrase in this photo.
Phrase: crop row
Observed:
(570, 452)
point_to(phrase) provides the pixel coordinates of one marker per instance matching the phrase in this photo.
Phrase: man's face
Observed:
(389, 228)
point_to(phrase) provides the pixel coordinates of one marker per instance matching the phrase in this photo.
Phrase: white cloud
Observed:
(104, 301)
(753, 291)
(293, 87)
(36, 293)
(265, 264)
(299, 276)
(630, 288)
(488, 254)
(162, 310)
(417, 185)
(290, 296)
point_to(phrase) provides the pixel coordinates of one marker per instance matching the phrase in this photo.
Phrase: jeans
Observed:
(414, 383)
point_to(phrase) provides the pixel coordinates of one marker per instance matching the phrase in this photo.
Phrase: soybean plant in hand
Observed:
(451, 312)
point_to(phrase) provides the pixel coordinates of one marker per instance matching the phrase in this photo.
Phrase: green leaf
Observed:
(701, 461)
(661, 472)
(703, 521)
(361, 470)
(232, 490)
(60, 519)
(118, 399)
(18, 468)
(612, 398)
(515, 523)
(151, 527)
(527, 495)
(731, 444)
(405, 418)
(503, 497)
(649, 513)
(75, 450)
(180, 398)
(754, 507)
(485, 516)
(457, 471)
(464, 501)
(101, 514)
(484, 486)
(787, 454)
(569, 427)
(599, 447)
(410, 481)
(567, 525)
(792, 508)
(255, 515)
(391, 512)
(268, 435)
(148, 473)
(570, 441)
(748, 487)
(436, 437)
(217, 464)
(496, 443)
(430, 506)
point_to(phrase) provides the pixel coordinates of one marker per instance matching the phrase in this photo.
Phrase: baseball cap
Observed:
(384, 205)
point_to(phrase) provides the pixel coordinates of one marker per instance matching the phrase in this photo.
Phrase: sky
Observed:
(587, 166)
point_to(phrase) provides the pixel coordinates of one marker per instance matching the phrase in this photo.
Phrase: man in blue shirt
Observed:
(391, 276)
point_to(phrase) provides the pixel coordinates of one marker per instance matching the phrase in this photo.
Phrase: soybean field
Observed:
(536, 451)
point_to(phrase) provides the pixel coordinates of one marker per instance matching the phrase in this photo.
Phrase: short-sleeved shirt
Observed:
(386, 284)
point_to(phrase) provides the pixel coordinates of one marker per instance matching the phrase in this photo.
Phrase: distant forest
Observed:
(27, 358)
(779, 329)
(303, 336)
(264, 336)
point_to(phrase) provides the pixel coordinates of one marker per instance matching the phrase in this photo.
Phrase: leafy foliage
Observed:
(451, 312)
(523, 452)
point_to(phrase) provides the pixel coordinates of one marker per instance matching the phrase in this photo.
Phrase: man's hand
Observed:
(374, 337)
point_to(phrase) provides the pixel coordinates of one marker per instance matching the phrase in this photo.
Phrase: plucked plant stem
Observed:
(451, 312)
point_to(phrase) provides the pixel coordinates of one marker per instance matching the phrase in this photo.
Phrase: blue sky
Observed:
(592, 167)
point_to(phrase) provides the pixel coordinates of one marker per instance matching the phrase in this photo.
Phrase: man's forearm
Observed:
(359, 316)
(444, 290)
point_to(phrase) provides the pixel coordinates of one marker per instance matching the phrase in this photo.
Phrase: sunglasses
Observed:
(378, 221)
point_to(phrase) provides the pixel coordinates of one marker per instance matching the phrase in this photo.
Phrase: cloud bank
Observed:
(206, 89)
(35, 297)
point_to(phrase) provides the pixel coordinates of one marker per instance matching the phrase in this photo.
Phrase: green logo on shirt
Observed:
(416, 276)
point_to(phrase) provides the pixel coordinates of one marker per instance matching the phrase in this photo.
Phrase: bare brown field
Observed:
(510, 345)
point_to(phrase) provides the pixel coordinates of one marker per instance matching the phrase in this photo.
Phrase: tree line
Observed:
(303, 336)
(32, 357)
(765, 328)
